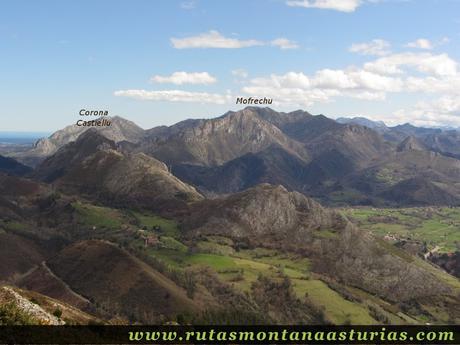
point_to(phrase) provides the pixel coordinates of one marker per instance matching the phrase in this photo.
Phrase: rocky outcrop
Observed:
(265, 214)
(33, 310)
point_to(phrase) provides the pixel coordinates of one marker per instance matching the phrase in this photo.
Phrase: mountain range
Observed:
(348, 161)
(224, 220)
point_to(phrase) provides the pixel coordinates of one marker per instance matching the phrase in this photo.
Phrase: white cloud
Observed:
(422, 74)
(357, 79)
(444, 111)
(288, 80)
(448, 105)
(435, 74)
(421, 43)
(180, 78)
(240, 73)
(284, 43)
(333, 79)
(376, 47)
(444, 40)
(175, 96)
(212, 39)
(290, 96)
(430, 84)
(338, 5)
(324, 85)
(439, 65)
(188, 5)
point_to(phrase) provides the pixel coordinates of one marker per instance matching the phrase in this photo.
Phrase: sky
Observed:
(160, 62)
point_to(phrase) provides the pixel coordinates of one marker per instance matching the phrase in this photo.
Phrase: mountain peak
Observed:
(120, 129)
(362, 121)
(92, 140)
(215, 141)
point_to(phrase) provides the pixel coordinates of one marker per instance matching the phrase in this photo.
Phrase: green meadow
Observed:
(435, 226)
(241, 268)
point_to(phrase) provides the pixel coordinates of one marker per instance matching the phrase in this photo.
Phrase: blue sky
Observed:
(159, 62)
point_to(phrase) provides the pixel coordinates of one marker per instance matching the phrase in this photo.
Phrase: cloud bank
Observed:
(180, 78)
(174, 96)
(421, 43)
(337, 5)
(214, 39)
(376, 47)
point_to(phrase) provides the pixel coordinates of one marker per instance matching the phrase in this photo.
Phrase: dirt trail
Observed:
(67, 287)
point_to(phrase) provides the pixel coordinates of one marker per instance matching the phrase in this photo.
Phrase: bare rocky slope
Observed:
(23, 307)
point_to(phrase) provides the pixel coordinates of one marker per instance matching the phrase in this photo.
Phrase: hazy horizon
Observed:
(4, 134)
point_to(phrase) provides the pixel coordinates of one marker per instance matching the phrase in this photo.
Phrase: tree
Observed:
(57, 312)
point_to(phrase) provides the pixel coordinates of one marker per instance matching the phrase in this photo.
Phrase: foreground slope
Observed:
(120, 283)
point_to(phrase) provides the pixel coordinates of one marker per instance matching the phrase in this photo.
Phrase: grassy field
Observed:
(241, 268)
(98, 216)
(14, 226)
(242, 272)
(168, 227)
(338, 309)
(435, 226)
